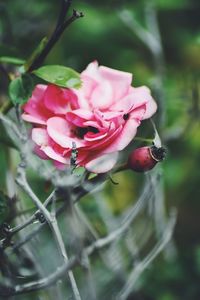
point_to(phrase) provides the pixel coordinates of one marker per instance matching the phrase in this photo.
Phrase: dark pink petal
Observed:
(59, 100)
(40, 153)
(35, 108)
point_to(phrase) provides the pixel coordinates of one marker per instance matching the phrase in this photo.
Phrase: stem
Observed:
(61, 26)
(32, 218)
(21, 180)
(141, 266)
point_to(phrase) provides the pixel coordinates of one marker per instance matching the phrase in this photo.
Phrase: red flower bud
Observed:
(145, 158)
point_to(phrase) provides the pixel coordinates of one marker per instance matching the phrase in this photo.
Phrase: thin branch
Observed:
(62, 24)
(47, 281)
(22, 182)
(34, 217)
(142, 265)
(74, 261)
(144, 35)
(7, 122)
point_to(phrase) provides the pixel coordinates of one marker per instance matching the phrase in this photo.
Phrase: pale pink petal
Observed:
(151, 108)
(138, 113)
(102, 163)
(32, 119)
(138, 96)
(59, 130)
(119, 80)
(88, 85)
(92, 70)
(54, 155)
(102, 96)
(40, 136)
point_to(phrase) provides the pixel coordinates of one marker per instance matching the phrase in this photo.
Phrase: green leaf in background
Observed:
(59, 75)
(20, 89)
(3, 207)
(11, 60)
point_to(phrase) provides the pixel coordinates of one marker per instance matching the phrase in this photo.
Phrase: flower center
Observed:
(81, 131)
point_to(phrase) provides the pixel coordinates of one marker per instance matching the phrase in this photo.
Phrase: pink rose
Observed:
(101, 118)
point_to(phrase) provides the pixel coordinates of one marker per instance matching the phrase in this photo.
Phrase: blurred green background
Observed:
(103, 36)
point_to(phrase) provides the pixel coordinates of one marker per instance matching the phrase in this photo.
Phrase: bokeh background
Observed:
(104, 35)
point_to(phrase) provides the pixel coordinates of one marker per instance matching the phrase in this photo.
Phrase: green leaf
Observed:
(59, 75)
(3, 207)
(11, 60)
(20, 89)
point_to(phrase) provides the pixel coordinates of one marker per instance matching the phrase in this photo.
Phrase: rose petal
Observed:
(120, 81)
(52, 154)
(32, 119)
(102, 163)
(102, 96)
(35, 106)
(40, 153)
(79, 116)
(58, 100)
(92, 71)
(88, 85)
(40, 137)
(59, 130)
(124, 137)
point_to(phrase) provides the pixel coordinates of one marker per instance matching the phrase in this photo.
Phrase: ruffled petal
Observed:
(79, 116)
(136, 98)
(124, 137)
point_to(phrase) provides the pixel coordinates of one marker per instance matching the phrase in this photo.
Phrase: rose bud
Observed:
(145, 158)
